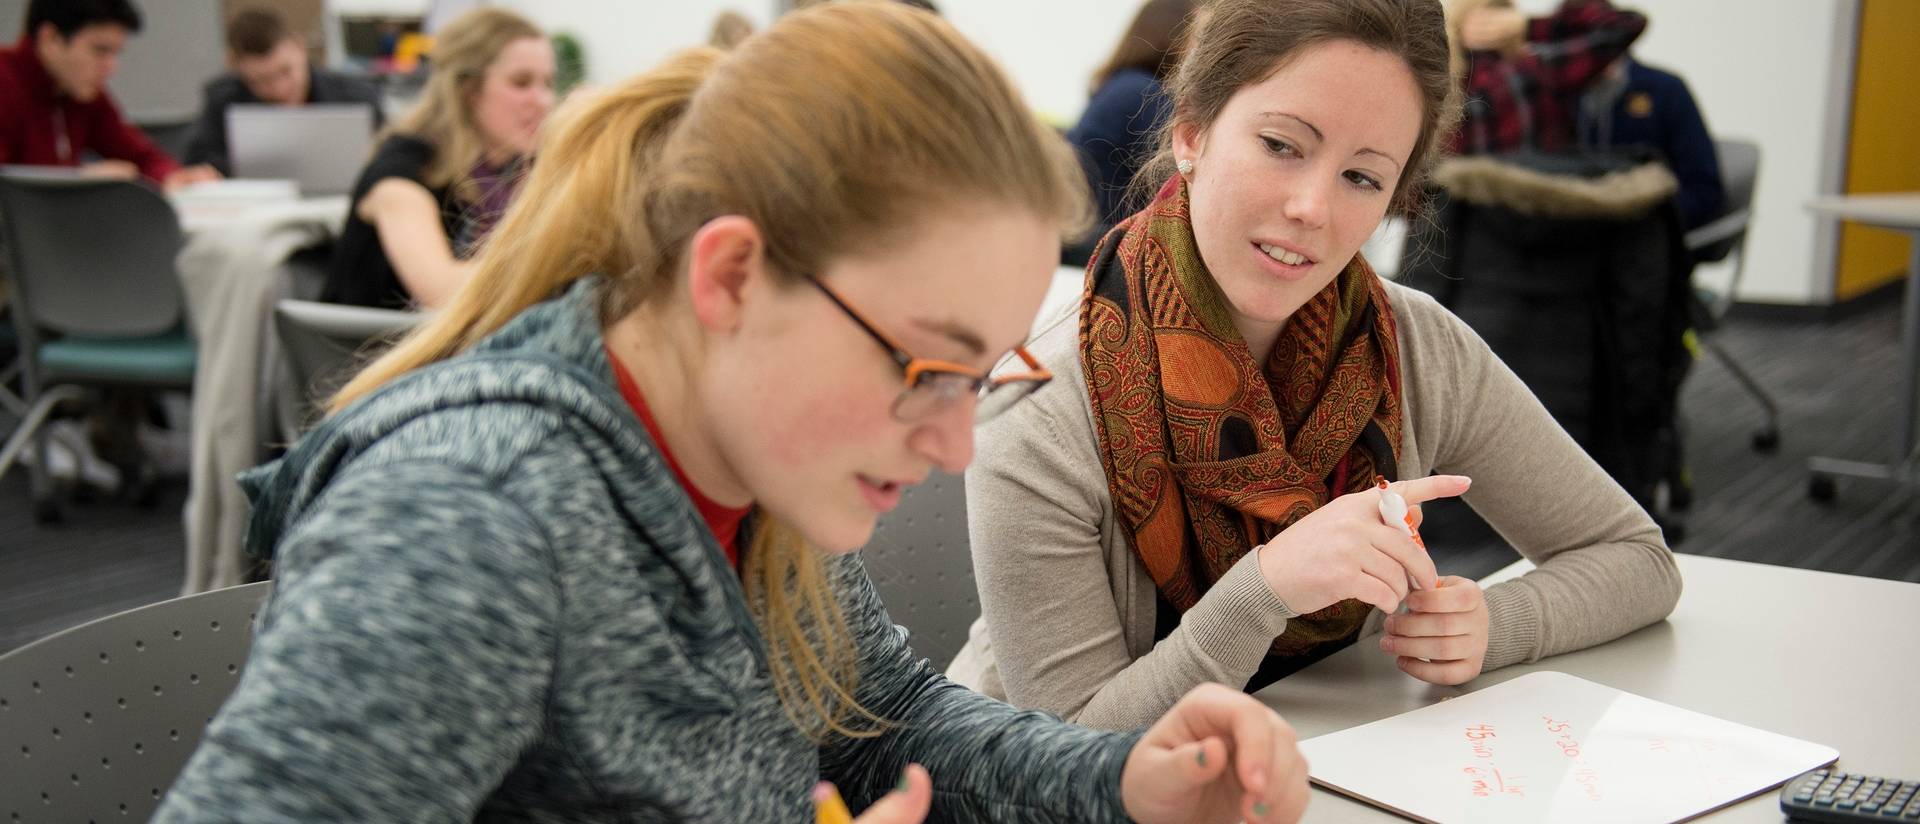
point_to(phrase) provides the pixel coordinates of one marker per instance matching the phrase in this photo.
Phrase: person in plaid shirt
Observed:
(1524, 77)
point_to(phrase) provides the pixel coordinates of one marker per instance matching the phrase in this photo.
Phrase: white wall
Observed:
(624, 37)
(1050, 47)
(1764, 70)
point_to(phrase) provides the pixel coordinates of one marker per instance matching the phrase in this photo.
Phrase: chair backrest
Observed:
(1739, 171)
(90, 257)
(97, 721)
(920, 563)
(325, 342)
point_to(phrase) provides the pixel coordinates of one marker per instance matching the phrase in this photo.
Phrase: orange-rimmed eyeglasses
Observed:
(935, 385)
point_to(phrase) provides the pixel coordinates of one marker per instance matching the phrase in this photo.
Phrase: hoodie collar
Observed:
(39, 82)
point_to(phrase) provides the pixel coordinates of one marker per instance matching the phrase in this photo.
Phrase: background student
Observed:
(581, 548)
(54, 105)
(444, 173)
(1192, 499)
(1120, 128)
(267, 63)
(1524, 76)
(1636, 106)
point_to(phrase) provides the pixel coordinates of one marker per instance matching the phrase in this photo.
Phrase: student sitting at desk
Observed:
(1192, 500)
(581, 548)
(269, 65)
(1118, 129)
(1634, 105)
(441, 175)
(54, 105)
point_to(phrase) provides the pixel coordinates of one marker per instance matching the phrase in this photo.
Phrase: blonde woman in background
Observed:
(730, 28)
(441, 175)
(581, 548)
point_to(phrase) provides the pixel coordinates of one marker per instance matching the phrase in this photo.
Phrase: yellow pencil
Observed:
(827, 806)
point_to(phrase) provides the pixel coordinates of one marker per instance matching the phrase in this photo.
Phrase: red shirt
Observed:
(41, 126)
(722, 519)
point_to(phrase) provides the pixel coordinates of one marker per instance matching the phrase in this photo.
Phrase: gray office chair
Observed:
(920, 562)
(10, 370)
(324, 343)
(94, 297)
(97, 721)
(1715, 241)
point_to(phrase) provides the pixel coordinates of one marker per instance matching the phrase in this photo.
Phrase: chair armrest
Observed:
(1725, 227)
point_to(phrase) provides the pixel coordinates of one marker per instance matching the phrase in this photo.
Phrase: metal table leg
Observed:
(1905, 454)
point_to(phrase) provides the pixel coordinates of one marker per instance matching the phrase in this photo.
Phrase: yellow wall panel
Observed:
(1883, 153)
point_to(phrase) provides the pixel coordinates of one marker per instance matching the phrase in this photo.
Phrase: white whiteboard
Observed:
(1548, 746)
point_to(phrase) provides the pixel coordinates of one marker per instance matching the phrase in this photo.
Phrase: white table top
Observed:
(201, 213)
(1832, 659)
(1892, 210)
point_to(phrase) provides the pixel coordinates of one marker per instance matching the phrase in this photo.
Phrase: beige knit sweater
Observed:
(1068, 610)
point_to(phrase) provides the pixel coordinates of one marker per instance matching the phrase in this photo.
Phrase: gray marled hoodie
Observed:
(495, 603)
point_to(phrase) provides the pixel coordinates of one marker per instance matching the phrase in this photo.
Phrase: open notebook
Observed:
(1548, 746)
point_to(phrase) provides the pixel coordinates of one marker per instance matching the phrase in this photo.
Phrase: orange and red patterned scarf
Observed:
(1208, 454)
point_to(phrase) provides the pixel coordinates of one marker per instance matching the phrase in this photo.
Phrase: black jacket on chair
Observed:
(1575, 271)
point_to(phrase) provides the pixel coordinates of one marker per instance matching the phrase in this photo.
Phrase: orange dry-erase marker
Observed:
(827, 806)
(1394, 510)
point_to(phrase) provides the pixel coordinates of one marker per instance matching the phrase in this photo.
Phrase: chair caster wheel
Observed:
(1822, 488)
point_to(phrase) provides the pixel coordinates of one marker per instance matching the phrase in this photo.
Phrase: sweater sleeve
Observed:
(116, 139)
(1036, 499)
(989, 761)
(401, 665)
(209, 143)
(1691, 153)
(1603, 568)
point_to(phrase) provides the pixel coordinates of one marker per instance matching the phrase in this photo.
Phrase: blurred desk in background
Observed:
(1900, 212)
(242, 236)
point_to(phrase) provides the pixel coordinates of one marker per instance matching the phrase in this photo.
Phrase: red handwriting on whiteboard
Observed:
(1478, 737)
(1589, 781)
(1569, 746)
(1488, 782)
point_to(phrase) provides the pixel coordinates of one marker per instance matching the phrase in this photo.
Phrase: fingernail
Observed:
(902, 786)
(1201, 756)
(1260, 809)
(1386, 644)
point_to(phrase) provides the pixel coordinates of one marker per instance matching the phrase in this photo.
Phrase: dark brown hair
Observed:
(256, 32)
(1152, 41)
(1243, 42)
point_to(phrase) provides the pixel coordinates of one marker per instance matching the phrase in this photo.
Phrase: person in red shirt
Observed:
(54, 105)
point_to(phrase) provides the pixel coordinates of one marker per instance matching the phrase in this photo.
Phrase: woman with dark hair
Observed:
(1193, 500)
(1121, 124)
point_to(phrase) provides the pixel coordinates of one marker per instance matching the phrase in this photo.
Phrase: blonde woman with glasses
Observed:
(581, 548)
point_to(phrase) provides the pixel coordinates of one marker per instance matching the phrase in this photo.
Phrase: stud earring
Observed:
(1185, 167)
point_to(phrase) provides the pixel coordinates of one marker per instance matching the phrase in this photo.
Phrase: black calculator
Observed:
(1843, 798)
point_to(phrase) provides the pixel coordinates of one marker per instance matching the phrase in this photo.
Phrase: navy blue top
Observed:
(1116, 135)
(1657, 111)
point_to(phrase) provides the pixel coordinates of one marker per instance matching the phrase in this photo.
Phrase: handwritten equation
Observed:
(1486, 780)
